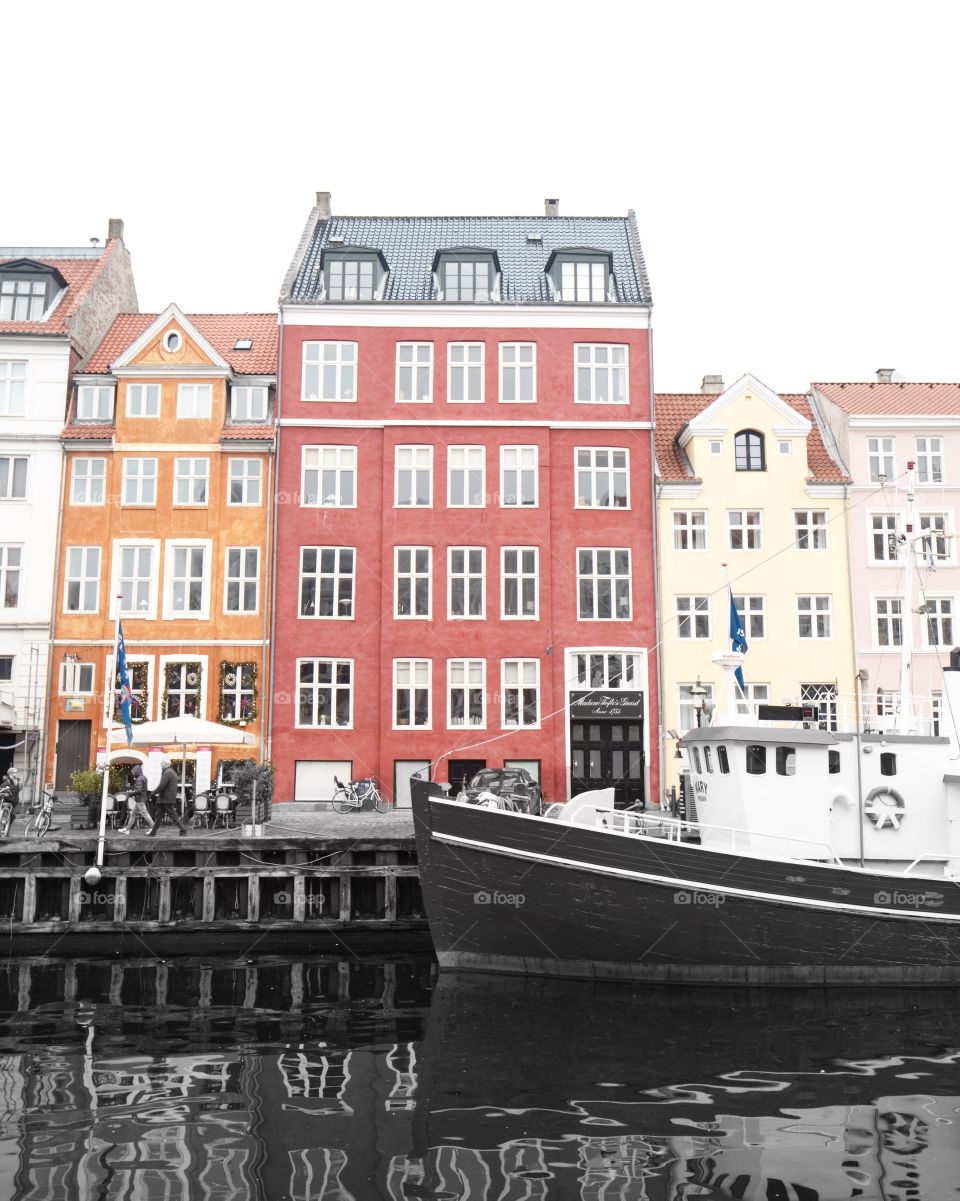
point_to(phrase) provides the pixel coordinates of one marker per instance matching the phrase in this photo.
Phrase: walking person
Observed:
(167, 799)
(137, 802)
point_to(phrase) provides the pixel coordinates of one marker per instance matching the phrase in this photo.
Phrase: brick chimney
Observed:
(115, 229)
(712, 385)
(551, 207)
(885, 375)
(324, 212)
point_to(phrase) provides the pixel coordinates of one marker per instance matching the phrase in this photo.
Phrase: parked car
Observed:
(511, 783)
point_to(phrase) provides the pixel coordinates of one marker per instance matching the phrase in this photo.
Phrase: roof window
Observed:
(243, 344)
(28, 289)
(353, 274)
(581, 277)
(467, 276)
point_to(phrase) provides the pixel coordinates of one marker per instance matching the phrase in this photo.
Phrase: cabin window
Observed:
(696, 759)
(833, 762)
(888, 764)
(756, 760)
(722, 761)
(786, 761)
(708, 759)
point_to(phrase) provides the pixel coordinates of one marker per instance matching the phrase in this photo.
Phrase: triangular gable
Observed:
(711, 419)
(170, 318)
(31, 267)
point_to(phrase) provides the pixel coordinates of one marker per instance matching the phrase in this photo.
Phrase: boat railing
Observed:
(937, 856)
(844, 713)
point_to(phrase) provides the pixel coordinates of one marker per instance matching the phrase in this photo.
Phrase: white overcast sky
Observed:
(793, 166)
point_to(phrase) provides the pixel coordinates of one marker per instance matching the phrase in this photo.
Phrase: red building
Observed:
(465, 534)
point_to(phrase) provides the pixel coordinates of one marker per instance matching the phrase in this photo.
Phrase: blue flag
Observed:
(126, 693)
(738, 637)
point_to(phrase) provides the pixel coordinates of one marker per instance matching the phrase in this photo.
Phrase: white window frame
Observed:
(152, 578)
(247, 471)
(165, 661)
(461, 360)
(413, 666)
(417, 452)
(943, 535)
(887, 520)
(414, 368)
(71, 679)
(412, 577)
(749, 531)
(588, 366)
(315, 686)
(691, 609)
(344, 358)
(816, 613)
(930, 459)
(336, 577)
(526, 460)
(470, 669)
(23, 299)
(140, 478)
(600, 476)
(887, 615)
(147, 395)
(170, 548)
(807, 528)
(754, 694)
(882, 459)
(688, 530)
(944, 609)
(241, 580)
(518, 368)
(341, 461)
(597, 579)
(88, 574)
(97, 400)
(751, 608)
(87, 479)
(249, 403)
(466, 576)
(467, 467)
(194, 402)
(12, 460)
(685, 702)
(13, 387)
(520, 577)
(519, 685)
(7, 569)
(190, 472)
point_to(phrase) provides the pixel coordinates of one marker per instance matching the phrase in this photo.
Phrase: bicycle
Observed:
(355, 793)
(41, 822)
(9, 795)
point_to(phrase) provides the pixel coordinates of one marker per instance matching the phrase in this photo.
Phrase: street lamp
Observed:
(699, 693)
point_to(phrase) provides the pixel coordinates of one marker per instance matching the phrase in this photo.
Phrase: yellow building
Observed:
(748, 492)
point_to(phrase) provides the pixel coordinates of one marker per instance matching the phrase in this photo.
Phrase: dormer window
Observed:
(581, 277)
(95, 402)
(353, 275)
(248, 403)
(27, 289)
(748, 448)
(467, 276)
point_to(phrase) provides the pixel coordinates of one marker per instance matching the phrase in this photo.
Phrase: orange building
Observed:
(168, 479)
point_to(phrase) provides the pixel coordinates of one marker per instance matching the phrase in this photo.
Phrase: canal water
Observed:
(317, 1079)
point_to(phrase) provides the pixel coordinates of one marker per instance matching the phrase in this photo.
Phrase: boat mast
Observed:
(905, 703)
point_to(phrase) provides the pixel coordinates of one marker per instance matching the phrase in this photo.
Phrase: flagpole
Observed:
(101, 841)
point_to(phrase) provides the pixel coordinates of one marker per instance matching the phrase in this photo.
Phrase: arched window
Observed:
(749, 451)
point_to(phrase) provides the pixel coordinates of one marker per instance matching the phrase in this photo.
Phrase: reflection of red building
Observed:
(464, 537)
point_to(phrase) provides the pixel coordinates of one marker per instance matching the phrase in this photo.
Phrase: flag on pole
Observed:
(126, 692)
(738, 637)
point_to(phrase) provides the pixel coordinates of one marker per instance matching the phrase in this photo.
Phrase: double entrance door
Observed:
(606, 747)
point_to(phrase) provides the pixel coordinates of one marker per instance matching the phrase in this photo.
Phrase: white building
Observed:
(55, 306)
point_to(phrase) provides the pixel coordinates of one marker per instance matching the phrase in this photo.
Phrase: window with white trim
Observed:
(583, 279)
(518, 476)
(95, 402)
(884, 537)
(241, 579)
(601, 376)
(520, 686)
(244, 481)
(6, 669)
(413, 477)
(328, 477)
(248, 403)
(466, 581)
(602, 477)
(520, 582)
(746, 529)
(327, 581)
(238, 691)
(689, 529)
(140, 482)
(466, 476)
(880, 459)
(182, 689)
(88, 481)
(810, 529)
(187, 580)
(415, 372)
(76, 679)
(935, 541)
(190, 478)
(466, 693)
(465, 372)
(136, 577)
(693, 616)
(325, 693)
(929, 460)
(23, 299)
(411, 693)
(13, 477)
(753, 695)
(81, 590)
(603, 584)
(814, 615)
(412, 579)
(194, 401)
(888, 620)
(13, 387)
(329, 371)
(939, 624)
(518, 372)
(143, 400)
(686, 705)
(752, 610)
(611, 670)
(468, 279)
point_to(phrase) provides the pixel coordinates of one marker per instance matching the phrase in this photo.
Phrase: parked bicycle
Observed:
(41, 821)
(355, 794)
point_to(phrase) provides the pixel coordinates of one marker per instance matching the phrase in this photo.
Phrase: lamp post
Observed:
(699, 693)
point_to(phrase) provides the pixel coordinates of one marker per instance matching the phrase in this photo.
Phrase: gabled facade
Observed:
(55, 305)
(880, 428)
(747, 493)
(465, 567)
(168, 482)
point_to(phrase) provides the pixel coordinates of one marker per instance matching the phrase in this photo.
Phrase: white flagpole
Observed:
(106, 766)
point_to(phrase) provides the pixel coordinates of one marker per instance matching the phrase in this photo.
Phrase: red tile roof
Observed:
(900, 399)
(82, 430)
(672, 411)
(240, 433)
(79, 274)
(221, 330)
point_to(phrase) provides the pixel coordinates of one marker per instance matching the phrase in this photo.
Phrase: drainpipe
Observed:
(654, 525)
(42, 757)
(268, 550)
(857, 681)
(275, 501)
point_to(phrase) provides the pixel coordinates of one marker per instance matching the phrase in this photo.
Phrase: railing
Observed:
(840, 713)
(936, 856)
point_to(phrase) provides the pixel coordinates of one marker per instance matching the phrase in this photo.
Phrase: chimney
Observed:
(551, 208)
(712, 385)
(323, 206)
(885, 375)
(115, 229)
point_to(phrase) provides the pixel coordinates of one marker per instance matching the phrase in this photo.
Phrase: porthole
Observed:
(172, 341)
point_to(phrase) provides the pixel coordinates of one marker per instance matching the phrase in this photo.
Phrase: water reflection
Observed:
(325, 1080)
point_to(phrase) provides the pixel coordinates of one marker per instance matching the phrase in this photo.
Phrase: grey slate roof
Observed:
(409, 244)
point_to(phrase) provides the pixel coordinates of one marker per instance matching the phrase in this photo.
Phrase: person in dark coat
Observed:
(167, 799)
(137, 801)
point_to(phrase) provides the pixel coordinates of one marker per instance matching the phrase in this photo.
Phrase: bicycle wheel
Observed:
(343, 802)
(380, 802)
(43, 824)
(6, 818)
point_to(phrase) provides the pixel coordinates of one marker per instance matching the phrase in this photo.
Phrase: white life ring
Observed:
(890, 810)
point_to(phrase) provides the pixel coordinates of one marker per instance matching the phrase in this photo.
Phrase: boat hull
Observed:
(516, 894)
